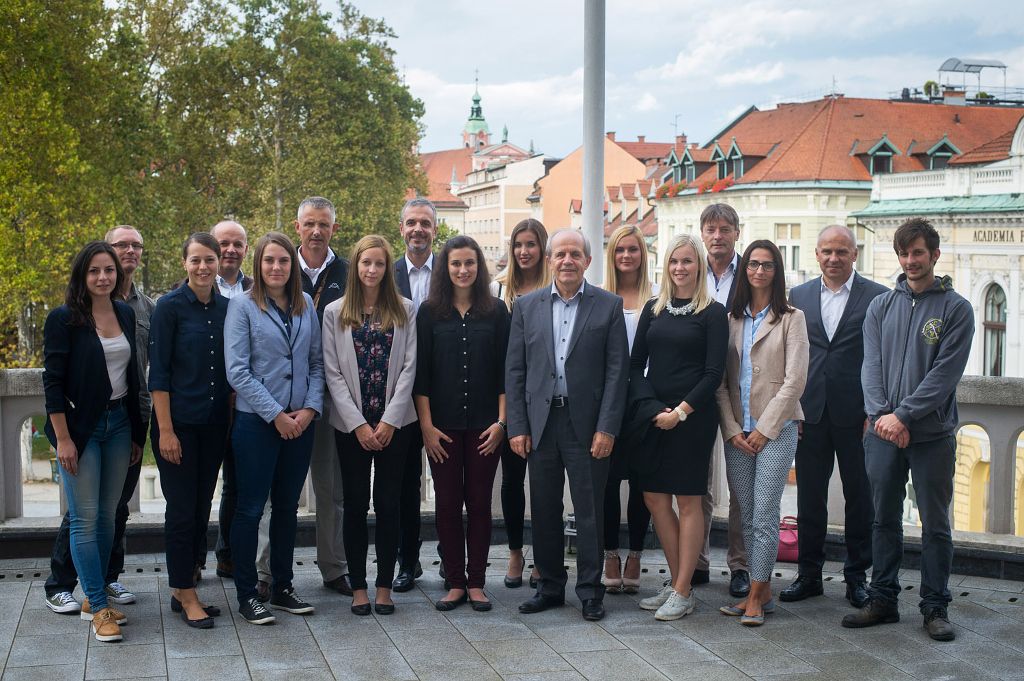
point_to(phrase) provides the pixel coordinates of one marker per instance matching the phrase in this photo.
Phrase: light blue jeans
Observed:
(92, 500)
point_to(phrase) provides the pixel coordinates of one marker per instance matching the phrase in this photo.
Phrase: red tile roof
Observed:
(647, 151)
(649, 225)
(437, 166)
(816, 140)
(994, 150)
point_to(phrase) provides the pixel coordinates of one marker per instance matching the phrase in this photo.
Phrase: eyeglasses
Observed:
(125, 245)
(767, 266)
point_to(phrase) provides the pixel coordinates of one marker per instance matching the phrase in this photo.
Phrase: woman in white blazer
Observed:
(369, 339)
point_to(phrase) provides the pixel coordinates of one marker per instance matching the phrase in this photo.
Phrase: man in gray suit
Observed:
(565, 384)
(833, 403)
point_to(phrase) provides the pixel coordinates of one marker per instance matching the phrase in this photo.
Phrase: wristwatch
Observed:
(504, 426)
(682, 414)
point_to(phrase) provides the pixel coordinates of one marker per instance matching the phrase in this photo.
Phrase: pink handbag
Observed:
(789, 547)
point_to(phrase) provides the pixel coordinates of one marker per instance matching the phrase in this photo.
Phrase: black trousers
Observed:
(820, 446)
(409, 513)
(355, 465)
(638, 516)
(513, 496)
(228, 502)
(558, 453)
(63, 575)
(188, 488)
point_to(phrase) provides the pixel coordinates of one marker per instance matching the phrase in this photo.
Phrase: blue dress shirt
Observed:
(563, 319)
(750, 326)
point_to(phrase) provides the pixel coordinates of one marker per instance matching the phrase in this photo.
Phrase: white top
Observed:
(419, 280)
(229, 291)
(833, 304)
(118, 353)
(720, 287)
(314, 272)
(632, 317)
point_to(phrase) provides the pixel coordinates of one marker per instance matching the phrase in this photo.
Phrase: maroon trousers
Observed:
(465, 478)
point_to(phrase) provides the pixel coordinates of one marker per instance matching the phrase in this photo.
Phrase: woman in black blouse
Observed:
(190, 416)
(681, 341)
(462, 336)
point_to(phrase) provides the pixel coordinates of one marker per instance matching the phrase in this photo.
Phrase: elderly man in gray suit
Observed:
(565, 384)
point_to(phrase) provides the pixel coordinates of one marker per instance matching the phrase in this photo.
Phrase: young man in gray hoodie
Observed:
(916, 341)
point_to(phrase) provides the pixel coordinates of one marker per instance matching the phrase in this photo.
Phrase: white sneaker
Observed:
(63, 602)
(655, 602)
(116, 593)
(675, 607)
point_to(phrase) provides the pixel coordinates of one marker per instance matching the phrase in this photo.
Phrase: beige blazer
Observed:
(779, 359)
(342, 373)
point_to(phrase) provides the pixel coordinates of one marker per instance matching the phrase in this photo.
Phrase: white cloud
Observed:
(647, 102)
(761, 73)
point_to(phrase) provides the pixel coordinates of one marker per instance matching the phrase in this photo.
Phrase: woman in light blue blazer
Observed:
(370, 362)
(275, 365)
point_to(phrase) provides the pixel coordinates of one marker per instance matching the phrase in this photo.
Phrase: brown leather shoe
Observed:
(104, 626)
(225, 569)
(341, 585)
(936, 621)
(875, 612)
(88, 615)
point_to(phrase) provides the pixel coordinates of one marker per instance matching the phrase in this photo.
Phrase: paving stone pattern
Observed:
(801, 641)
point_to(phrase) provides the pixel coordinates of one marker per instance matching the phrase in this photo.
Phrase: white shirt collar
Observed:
(428, 265)
(848, 285)
(327, 261)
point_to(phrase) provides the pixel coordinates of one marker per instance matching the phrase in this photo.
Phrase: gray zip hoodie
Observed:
(915, 351)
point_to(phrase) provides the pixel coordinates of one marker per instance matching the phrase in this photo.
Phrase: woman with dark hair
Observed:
(93, 420)
(275, 364)
(527, 271)
(759, 400)
(190, 416)
(370, 361)
(462, 334)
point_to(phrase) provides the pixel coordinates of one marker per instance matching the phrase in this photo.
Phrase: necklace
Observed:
(680, 311)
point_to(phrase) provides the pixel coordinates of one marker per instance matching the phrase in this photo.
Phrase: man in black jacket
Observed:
(323, 278)
(833, 403)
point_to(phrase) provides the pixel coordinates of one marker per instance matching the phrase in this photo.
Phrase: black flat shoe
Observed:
(211, 610)
(540, 603)
(384, 608)
(533, 581)
(593, 609)
(480, 606)
(205, 623)
(448, 606)
(362, 610)
(804, 587)
(513, 582)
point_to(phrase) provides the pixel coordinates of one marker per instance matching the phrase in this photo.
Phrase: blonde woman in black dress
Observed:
(681, 341)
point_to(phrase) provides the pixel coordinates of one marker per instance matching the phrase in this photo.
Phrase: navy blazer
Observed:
(402, 277)
(833, 375)
(75, 378)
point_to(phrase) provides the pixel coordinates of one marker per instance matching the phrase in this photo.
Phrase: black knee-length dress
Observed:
(685, 357)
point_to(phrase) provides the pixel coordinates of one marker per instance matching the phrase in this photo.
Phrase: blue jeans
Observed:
(931, 464)
(92, 500)
(266, 466)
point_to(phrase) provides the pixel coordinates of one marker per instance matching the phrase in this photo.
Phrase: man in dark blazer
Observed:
(566, 375)
(412, 274)
(833, 403)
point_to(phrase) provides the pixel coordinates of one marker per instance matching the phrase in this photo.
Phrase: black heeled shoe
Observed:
(211, 610)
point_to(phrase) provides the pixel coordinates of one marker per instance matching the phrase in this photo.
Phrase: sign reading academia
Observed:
(998, 236)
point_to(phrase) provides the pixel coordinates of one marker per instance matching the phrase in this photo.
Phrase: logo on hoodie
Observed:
(931, 331)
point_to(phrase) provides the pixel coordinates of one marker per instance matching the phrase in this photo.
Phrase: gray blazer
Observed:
(272, 369)
(833, 376)
(596, 368)
(343, 373)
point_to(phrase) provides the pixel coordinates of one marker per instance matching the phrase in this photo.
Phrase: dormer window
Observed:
(691, 172)
(881, 163)
(879, 155)
(940, 153)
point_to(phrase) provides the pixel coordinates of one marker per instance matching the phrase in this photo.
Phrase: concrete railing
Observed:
(951, 182)
(994, 404)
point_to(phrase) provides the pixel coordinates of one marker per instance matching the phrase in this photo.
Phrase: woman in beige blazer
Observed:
(759, 401)
(369, 338)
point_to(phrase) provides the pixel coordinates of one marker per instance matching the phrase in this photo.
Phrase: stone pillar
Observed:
(593, 134)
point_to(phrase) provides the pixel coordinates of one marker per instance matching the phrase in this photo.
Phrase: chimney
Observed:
(680, 140)
(954, 97)
(640, 138)
(611, 135)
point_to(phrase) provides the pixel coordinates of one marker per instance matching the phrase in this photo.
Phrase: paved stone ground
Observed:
(801, 641)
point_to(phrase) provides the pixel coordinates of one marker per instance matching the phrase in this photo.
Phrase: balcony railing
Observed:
(952, 181)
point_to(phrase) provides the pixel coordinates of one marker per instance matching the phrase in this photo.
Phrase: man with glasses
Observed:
(60, 585)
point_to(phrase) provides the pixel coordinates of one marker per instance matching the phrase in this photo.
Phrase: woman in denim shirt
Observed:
(275, 365)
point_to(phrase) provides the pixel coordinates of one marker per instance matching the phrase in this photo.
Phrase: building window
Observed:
(939, 161)
(723, 169)
(995, 331)
(691, 173)
(787, 238)
(881, 162)
(737, 167)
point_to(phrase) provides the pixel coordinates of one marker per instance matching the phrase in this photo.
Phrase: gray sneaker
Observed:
(656, 601)
(116, 593)
(63, 602)
(675, 607)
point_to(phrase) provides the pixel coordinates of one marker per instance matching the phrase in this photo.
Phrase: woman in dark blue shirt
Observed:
(462, 334)
(190, 416)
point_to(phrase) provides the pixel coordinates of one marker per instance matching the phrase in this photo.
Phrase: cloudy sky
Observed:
(691, 63)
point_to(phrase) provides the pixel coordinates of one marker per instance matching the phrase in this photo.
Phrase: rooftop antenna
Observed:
(834, 88)
(675, 124)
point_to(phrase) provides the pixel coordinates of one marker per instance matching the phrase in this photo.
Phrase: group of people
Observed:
(350, 369)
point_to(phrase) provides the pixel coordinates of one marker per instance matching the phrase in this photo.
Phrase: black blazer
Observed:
(833, 374)
(75, 379)
(402, 277)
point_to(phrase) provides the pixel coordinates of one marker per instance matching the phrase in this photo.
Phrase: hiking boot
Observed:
(63, 602)
(87, 613)
(116, 593)
(875, 612)
(936, 621)
(104, 626)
